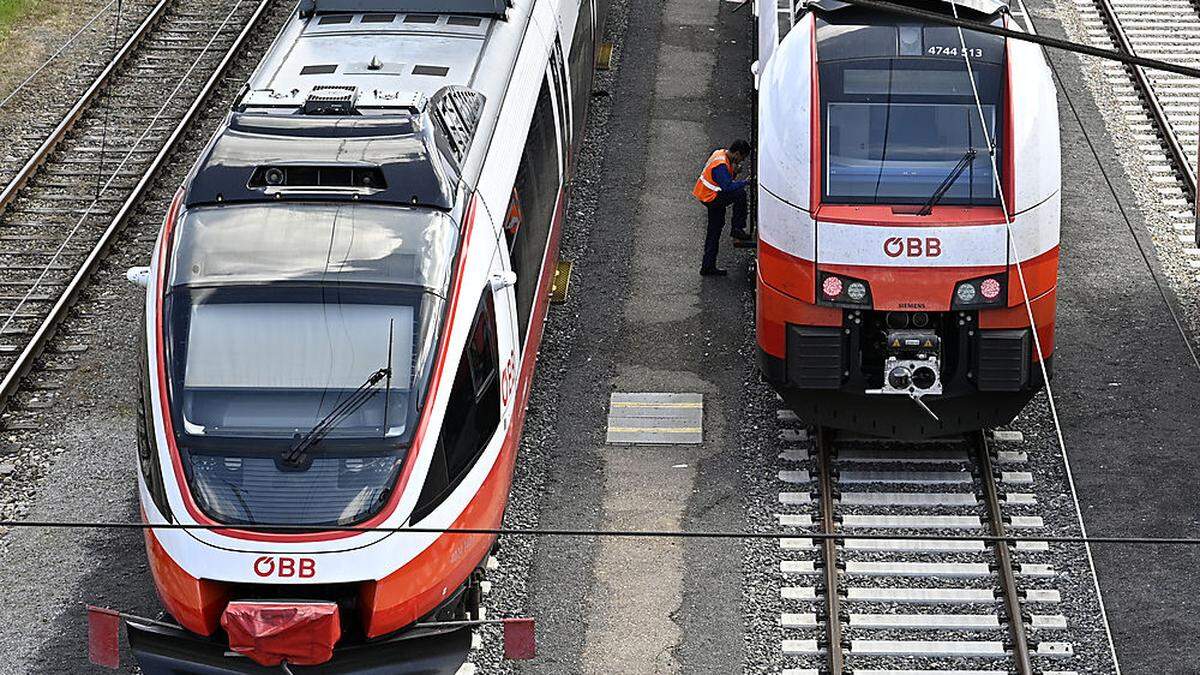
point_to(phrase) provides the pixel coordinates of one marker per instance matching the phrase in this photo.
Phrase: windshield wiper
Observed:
(296, 456)
(948, 182)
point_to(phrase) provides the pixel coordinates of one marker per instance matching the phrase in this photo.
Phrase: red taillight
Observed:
(831, 287)
(989, 288)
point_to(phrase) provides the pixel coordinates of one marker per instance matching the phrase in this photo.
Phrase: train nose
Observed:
(269, 633)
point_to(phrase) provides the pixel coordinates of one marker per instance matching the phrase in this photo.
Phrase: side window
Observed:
(482, 353)
(582, 63)
(535, 195)
(512, 219)
(472, 414)
(558, 69)
(146, 441)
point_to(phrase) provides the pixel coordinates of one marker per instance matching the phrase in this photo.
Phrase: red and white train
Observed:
(342, 317)
(889, 299)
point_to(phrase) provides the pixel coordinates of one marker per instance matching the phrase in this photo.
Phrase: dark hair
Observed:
(741, 147)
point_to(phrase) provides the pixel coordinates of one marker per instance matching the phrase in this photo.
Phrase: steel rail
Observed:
(835, 660)
(1004, 562)
(1183, 166)
(30, 168)
(47, 329)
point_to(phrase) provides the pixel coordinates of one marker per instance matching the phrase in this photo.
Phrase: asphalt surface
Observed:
(648, 322)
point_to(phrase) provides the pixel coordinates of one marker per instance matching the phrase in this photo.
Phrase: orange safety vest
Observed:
(706, 188)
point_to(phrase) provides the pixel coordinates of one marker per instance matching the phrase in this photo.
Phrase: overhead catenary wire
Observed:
(1016, 254)
(567, 532)
(1012, 240)
(1137, 242)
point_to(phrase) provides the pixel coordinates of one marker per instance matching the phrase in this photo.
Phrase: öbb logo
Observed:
(284, 567)
(912, 247)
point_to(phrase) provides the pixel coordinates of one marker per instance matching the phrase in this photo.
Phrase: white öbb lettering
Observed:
(285, 567)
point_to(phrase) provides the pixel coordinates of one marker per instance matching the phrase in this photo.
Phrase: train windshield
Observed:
(896, 128)
(282, 319)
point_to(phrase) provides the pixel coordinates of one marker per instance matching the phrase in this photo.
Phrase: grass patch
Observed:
(30, 30)
(12, 11)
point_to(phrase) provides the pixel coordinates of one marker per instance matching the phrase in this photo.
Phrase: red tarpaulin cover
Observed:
(302, 633)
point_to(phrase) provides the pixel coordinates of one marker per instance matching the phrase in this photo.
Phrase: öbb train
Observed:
(889, 299)
(342, 317)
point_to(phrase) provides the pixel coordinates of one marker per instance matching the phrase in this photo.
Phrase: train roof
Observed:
(404, 159)
(394, 53)
(496, 8)
(984, 7)
(848, 32)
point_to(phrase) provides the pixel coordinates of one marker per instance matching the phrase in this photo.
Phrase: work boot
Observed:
(712, 272)
(740, 235)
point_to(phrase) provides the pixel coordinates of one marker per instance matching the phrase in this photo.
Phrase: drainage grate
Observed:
(655, 419)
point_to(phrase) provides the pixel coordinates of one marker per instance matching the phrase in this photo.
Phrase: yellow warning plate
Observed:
(604, 58)
(561, 282)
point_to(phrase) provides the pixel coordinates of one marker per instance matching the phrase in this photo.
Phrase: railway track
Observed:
(65, 207)
(1161, 108)
(896, 605)
(31, 109)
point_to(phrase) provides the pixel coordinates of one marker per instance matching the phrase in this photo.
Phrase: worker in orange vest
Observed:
(716, 189)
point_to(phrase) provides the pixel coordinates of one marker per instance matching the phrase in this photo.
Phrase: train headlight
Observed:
(966, 293)
(843, 291)
(980, 293)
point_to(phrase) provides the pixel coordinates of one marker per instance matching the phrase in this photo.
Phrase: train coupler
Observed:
(912, 366)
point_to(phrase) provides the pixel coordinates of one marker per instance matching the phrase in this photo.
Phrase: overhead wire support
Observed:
(108, 107)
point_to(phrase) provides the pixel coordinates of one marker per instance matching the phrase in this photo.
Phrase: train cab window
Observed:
(278, 324)
(896, 128)
(472, 414)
